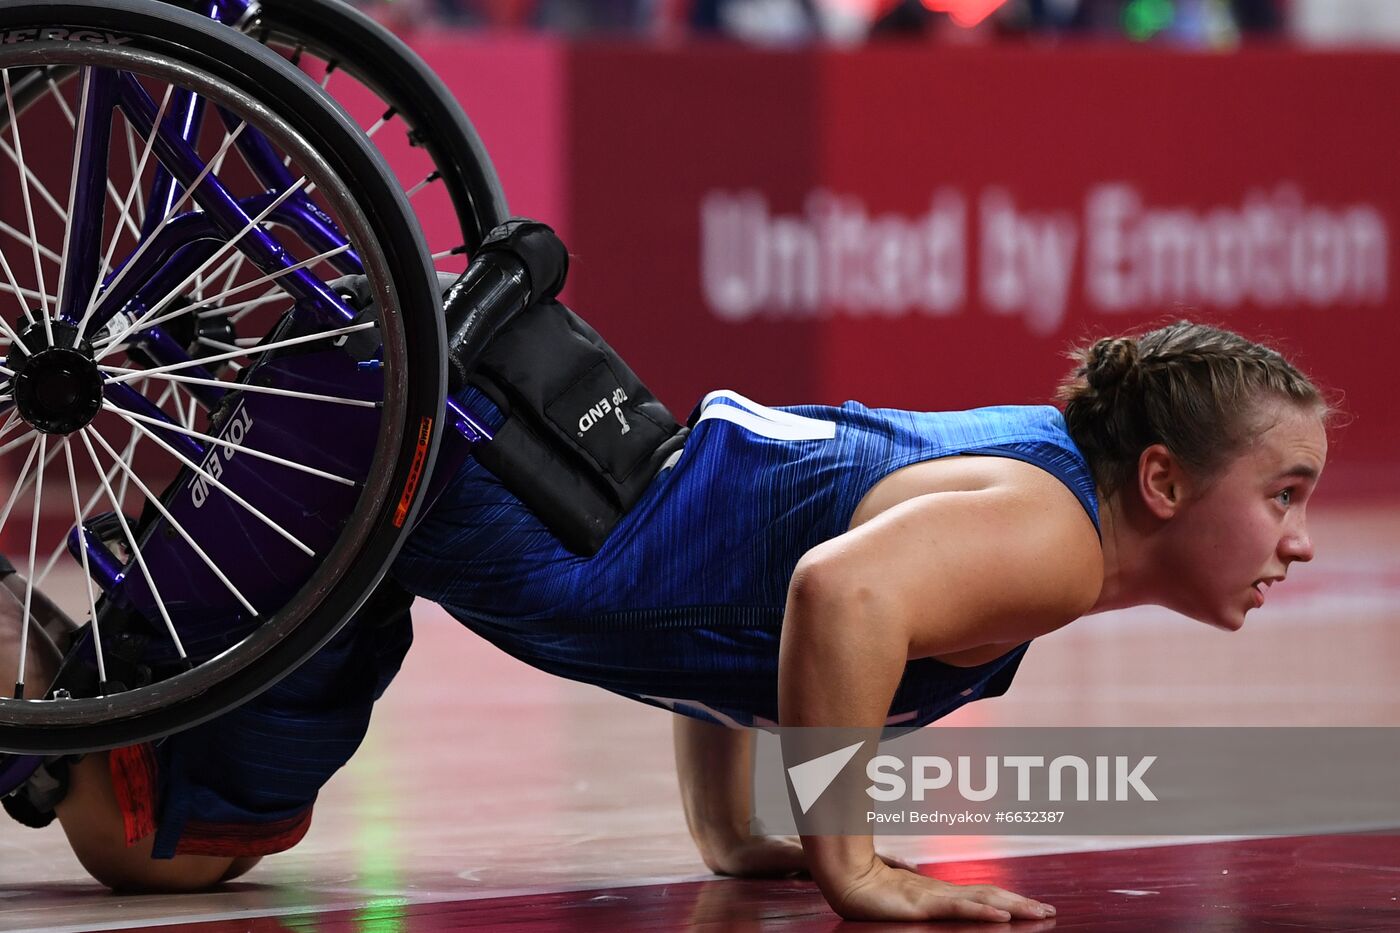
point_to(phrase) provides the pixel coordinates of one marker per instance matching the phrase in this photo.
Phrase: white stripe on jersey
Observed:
(765, 421)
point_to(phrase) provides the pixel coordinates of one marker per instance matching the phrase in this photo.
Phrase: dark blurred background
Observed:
(1193, 23)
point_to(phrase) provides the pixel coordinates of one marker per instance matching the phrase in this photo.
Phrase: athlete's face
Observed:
(1239, 534)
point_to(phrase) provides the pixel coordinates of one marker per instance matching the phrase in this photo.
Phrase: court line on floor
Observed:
(363, 901)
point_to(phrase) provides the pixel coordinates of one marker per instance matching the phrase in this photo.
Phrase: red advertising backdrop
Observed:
(934, 227)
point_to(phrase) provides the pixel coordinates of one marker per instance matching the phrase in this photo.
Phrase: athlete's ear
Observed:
(1161, 481)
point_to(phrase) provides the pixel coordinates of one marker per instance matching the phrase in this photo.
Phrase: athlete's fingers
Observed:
(962, 926)
(1023, 908)
(961, 908)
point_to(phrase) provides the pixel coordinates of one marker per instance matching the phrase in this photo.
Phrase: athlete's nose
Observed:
(1297, 546)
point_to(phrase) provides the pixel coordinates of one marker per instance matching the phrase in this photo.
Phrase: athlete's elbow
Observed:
(839, 620)
(841, 654)
(840, 599)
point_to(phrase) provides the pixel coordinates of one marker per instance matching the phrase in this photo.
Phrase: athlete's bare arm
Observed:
(937, 575)
(714, 764)
(715, 767)
(89, 814)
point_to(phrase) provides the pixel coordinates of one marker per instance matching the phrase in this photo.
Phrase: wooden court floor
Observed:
(489, 796)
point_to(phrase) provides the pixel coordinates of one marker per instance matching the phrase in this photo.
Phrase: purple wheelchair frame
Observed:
(261, 567)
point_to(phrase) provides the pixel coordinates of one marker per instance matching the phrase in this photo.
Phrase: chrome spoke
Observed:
(39, 187)
(253, 351)
(448, 253)
(125, 484)
(79, 128)
(240, 449)
(381, 122)
(193, 410)
(91, 503)
(218, 344)
(267, 297)
(12, 422)
(126, 530)
(147, 241)
(154, 500)
(232, 265)
(18, 234)
(143, 321)
(14, 289)
(424, 183)
(87, 571)
(274, 276)
(270, 277)
(24, 174)
(137, 173)
(17, 442)
(75, 123)
(20, 483)
(216, 482)
(243, 387)
(239, 260)
(29, 578)
(25, 293)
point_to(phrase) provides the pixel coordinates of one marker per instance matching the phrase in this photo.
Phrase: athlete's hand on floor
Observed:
(888, 893)
(769, 857)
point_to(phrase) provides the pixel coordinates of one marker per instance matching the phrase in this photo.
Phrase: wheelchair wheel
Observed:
(408, 102)
(389, 91)
(396, 98)
(226, 540)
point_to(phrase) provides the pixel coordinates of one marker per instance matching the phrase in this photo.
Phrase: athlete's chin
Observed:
(1227, 620)
(1232, 624)
(1232, 620)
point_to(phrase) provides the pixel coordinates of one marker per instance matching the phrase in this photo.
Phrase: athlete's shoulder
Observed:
(1007, 557)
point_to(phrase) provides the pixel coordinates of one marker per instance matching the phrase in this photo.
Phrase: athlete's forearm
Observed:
(841, 660)
(713, 765)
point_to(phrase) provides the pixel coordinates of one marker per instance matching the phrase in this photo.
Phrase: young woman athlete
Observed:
(799, 566)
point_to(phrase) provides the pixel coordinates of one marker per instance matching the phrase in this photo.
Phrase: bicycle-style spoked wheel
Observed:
(411, 115)
(197, 410)
(400, 103)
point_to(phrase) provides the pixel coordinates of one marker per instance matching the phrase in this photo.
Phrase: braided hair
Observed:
(1193, 388)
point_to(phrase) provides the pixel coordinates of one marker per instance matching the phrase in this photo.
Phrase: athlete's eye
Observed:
(1285, 497)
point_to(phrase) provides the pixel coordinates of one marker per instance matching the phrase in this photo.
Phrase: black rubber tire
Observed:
(241, 63)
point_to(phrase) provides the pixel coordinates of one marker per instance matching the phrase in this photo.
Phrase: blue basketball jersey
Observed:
(683, 606)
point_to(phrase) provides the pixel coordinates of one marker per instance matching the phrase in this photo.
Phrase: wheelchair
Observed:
(228, 366)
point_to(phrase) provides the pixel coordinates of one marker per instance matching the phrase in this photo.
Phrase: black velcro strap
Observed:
(583, 435)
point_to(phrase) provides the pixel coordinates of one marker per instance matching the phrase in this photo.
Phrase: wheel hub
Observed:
(57, 386)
